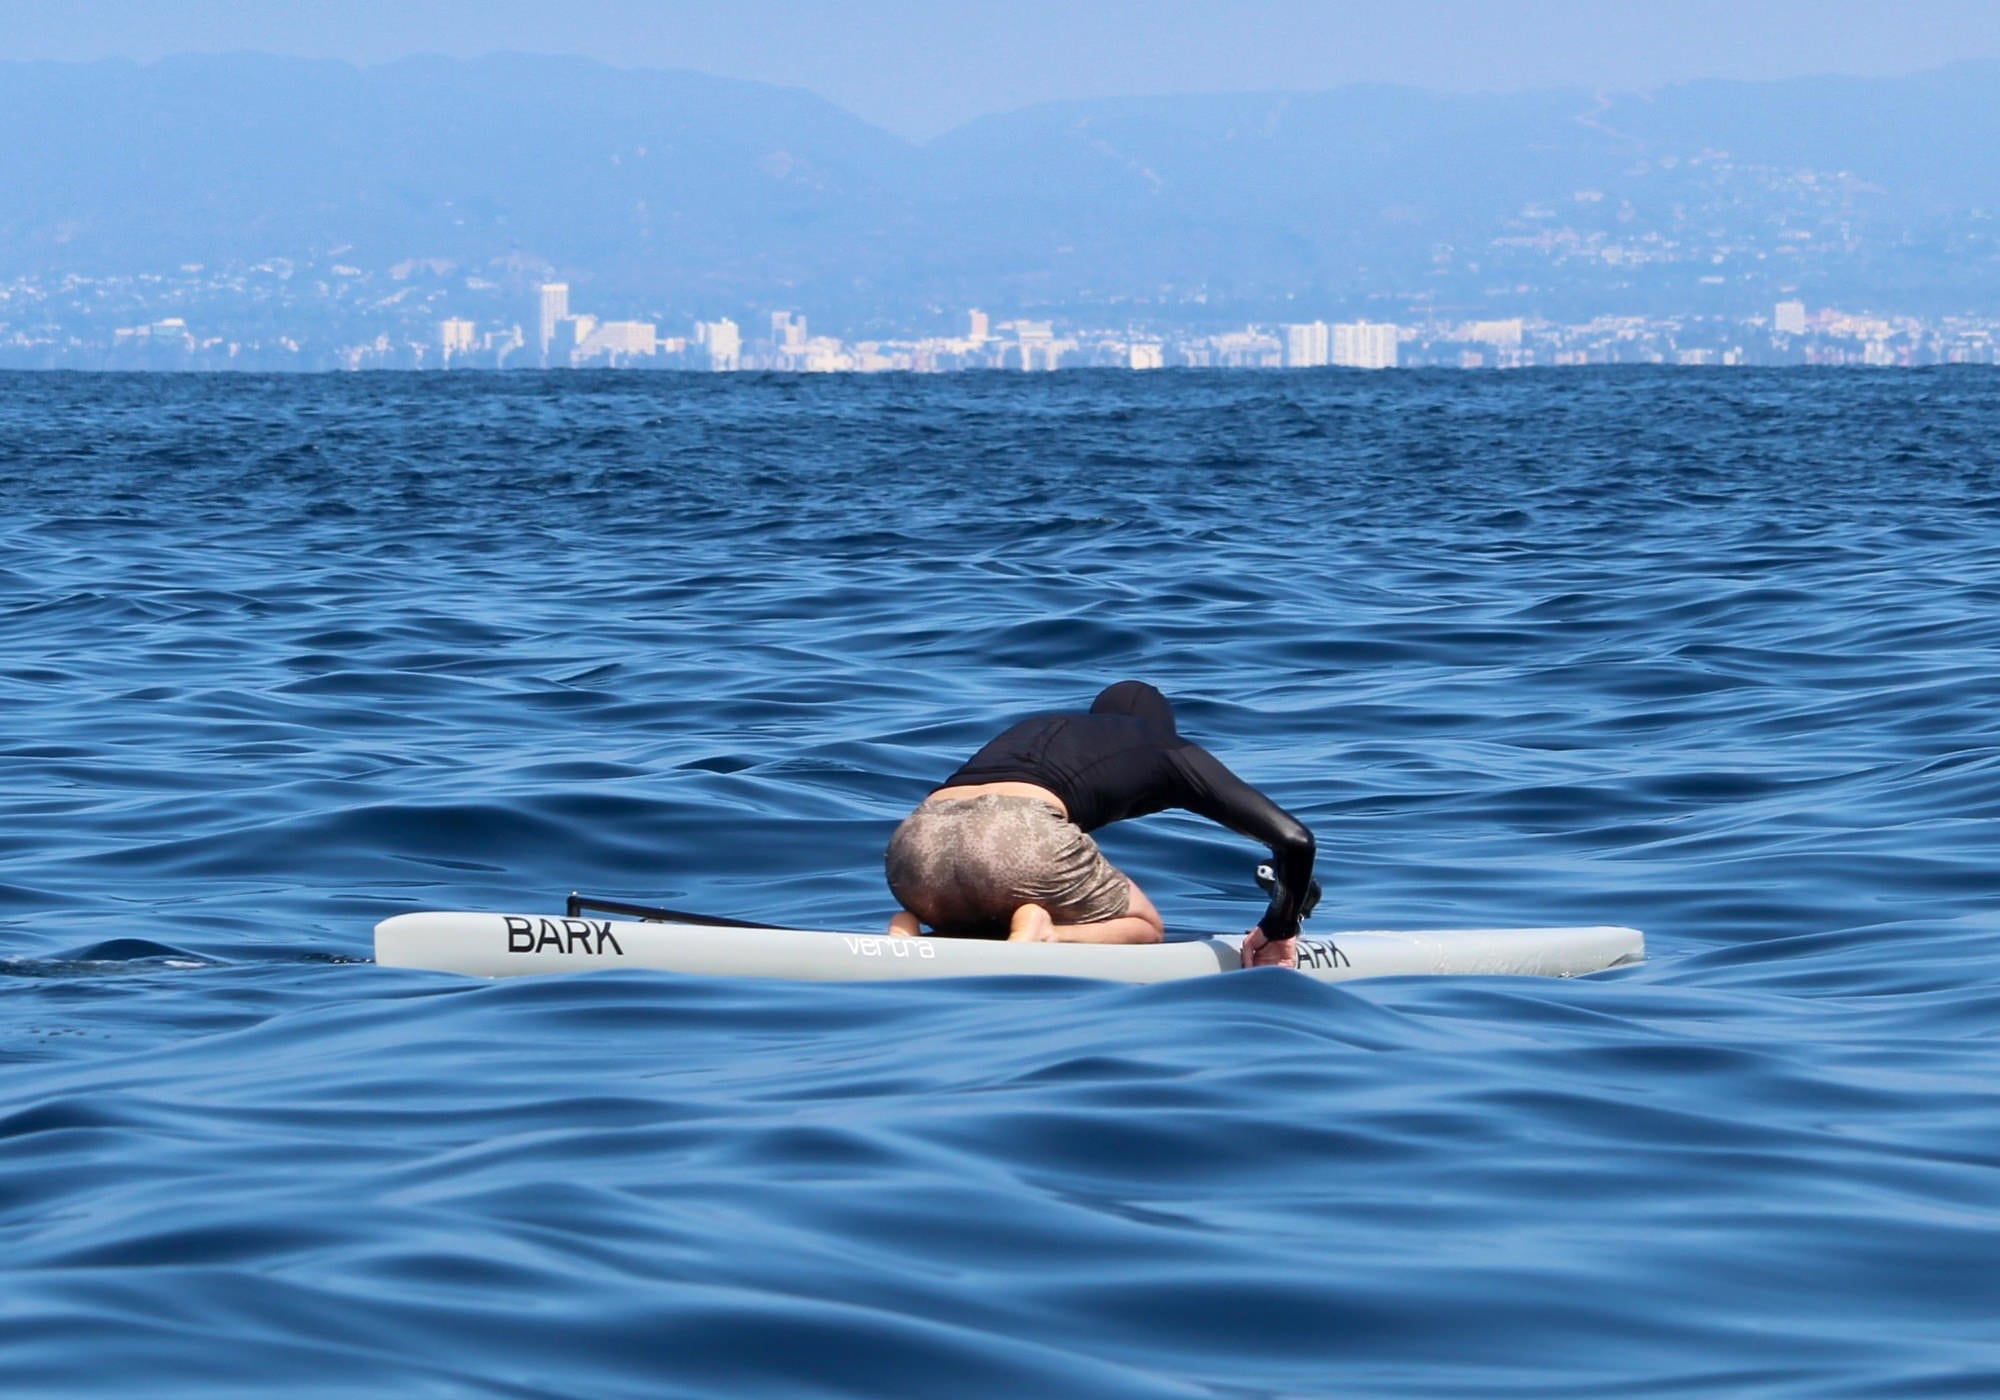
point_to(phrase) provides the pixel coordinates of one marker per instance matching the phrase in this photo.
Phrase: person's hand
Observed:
(1262, 951)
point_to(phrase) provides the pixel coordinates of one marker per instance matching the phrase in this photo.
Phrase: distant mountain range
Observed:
(673, 192)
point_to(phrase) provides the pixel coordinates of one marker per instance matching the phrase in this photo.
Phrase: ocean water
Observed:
(1716, 655)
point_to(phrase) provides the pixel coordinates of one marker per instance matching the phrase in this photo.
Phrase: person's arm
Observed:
(1212, 791)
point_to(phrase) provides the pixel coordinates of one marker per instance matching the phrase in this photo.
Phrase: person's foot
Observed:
(903, 924)
(1260, 951)
(1031, 924)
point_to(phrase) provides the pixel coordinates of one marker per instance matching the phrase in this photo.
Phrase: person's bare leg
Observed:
(904, 924)
(1126, 929)
(1031, 924)
(1140, 923)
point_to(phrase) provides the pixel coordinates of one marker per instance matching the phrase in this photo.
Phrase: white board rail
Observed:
(512, 945)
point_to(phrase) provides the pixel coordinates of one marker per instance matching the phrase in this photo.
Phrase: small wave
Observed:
(1705, 655)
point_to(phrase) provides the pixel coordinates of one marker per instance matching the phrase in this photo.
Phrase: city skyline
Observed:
(1791, 333)
(290, 214)
(561, 337)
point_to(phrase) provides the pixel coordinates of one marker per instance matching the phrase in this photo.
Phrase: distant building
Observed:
(1037, 345)
(568, 339)
(618, 341)
(552, 309)
(823, 354)
(873, 357)
(1145, 354)
(498, 345)
(1790, 318)
(1307, 346)
(1368, 345)
(1248, 348)
(723, 342)
(457, 338)
(978, 327)
(788, 333)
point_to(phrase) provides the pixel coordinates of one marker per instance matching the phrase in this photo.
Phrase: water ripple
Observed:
(1711, 655)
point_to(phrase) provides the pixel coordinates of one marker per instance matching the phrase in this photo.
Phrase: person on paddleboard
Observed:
(1002, 849)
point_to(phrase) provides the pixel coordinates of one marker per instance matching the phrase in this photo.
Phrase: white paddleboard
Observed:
(511, 945)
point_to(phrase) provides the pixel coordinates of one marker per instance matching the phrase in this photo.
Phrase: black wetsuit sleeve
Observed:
(1212, 791)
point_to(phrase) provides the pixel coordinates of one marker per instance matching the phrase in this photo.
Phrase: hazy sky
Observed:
(922, 66)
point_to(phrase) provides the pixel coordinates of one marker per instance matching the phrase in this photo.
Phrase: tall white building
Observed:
(1306, 346)
(978, 328)
(552, 309)
(1790, 318)
(723, 341)
(456, 338)
(1365, 345)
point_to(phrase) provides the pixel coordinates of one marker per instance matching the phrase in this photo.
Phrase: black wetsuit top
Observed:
(1125, 759)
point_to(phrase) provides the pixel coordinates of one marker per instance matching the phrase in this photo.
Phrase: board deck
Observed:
(511, 945)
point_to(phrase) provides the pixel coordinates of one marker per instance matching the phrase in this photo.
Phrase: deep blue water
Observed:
(1714, 655)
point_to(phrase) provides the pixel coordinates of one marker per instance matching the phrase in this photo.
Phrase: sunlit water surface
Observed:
(1713, 655)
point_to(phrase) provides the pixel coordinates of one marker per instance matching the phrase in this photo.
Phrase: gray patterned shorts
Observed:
(963, 865)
